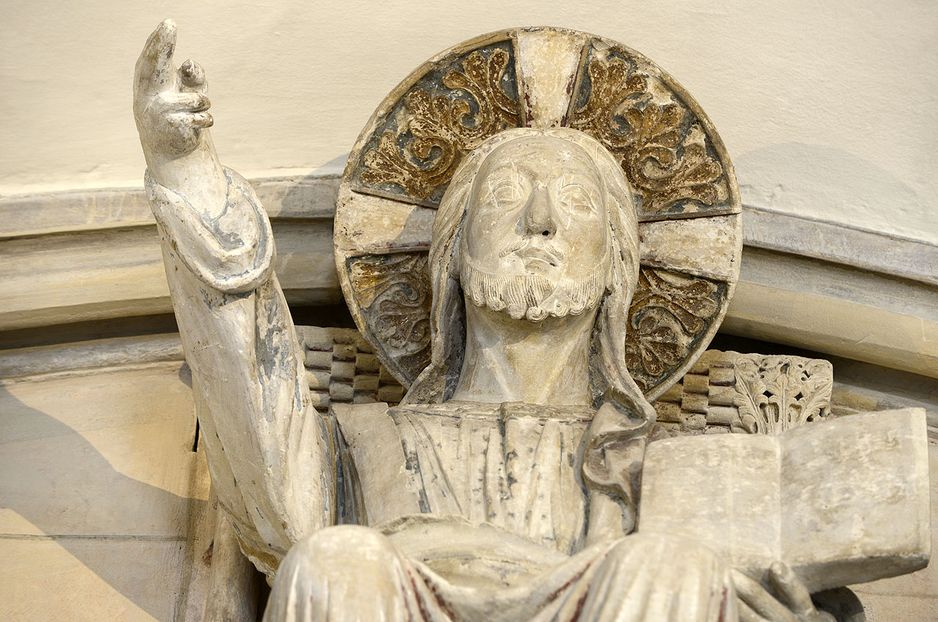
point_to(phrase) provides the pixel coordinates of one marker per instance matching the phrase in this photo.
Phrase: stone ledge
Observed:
(839, 243)
(344, 376)
(313, 198)
(94, 256)
(32, 215)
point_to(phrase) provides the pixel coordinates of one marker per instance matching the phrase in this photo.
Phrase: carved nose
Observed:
(538, 214)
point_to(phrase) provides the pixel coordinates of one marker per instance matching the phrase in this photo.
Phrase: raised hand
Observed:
(171, 111)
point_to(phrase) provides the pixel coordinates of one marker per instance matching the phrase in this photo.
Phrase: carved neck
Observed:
(510, 360)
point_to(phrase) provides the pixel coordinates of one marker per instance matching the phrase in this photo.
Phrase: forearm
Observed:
(270, 459)
(198, 175)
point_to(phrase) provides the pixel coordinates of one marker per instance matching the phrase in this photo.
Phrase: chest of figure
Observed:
(514, 468)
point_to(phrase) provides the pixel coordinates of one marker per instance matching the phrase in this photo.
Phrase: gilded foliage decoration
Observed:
(436, 127)
(658, 141)
(394, 290)
(656, 133)
(777, 393)
(669, 313)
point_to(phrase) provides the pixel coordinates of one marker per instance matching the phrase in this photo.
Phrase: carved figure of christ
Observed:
(535, 260)
(497, 511)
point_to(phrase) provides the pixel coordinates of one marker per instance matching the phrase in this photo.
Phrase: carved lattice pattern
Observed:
(714, 397)
(341, 367)
(719, 394)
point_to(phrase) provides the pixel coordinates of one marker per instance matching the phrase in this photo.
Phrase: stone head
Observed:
(536, 223)
(536, 240)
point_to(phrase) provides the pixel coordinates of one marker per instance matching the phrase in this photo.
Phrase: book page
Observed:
(842, 501)
(855, 498)
(722, 491)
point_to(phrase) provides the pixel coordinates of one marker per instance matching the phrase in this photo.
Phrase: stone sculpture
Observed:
(505, 485)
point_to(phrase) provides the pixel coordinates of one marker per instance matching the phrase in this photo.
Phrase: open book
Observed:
(842, 501)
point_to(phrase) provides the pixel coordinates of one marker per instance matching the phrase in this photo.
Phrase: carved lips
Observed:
(534, 255)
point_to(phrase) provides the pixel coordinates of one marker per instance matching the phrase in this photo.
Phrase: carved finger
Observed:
(187, 102)
(789, 588)
(199, 120)
(191, 76)
(747, 614)
(755, 596)
(154, 70)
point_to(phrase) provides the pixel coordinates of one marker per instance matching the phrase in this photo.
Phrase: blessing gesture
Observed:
(171, 111)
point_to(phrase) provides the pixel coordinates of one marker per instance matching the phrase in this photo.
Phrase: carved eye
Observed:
(507, 194)
(575, 197)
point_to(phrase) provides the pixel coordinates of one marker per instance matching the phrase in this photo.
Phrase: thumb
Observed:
(191, 77)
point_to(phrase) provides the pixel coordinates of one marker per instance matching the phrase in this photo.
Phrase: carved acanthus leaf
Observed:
(437, 128)
(776, 393)
(669, 313)
(659, 142)
(395, 291)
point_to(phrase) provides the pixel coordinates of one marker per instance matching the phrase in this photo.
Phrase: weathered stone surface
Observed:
(666, 145)
(548, 60)
(329, 348)
(748, 393)
(516, 452)
(445, 109)
(394, 290)
(785, 497)
(381, 225)
(671, 319)
(891, 323)
(699, 246)
(886, 315)
(669, 152)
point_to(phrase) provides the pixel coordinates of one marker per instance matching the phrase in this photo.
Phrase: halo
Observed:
(683, 182)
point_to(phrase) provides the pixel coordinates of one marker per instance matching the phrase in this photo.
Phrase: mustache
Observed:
(525, 243)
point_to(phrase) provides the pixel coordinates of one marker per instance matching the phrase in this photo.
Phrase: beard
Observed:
(531, 296)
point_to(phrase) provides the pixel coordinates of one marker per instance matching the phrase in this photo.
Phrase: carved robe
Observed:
(478, 512)
(269, 455)
(466, 511)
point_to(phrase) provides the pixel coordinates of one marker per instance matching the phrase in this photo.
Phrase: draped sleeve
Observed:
(232, 259)
(271, 456)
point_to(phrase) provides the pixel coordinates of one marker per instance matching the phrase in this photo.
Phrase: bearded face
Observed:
(537, 242)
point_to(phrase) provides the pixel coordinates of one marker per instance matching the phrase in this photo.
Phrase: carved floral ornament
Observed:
(421, 154)
(669, 151)
(778, 393)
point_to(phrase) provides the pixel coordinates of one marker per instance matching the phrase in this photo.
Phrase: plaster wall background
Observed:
(828, 109)
(99, 488)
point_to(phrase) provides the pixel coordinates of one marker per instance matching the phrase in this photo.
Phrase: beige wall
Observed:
(828, 109)
(98, 487)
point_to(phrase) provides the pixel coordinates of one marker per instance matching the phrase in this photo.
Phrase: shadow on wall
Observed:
(828, 183)
(129, 533)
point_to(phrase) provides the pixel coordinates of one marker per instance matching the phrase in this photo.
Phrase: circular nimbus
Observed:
(683, 183)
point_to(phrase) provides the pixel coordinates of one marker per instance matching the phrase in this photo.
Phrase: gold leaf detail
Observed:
(668, 313)
(437, 129)
(394, 293)
(660, 145)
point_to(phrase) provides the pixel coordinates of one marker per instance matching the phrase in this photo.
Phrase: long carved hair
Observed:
(610, 382)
